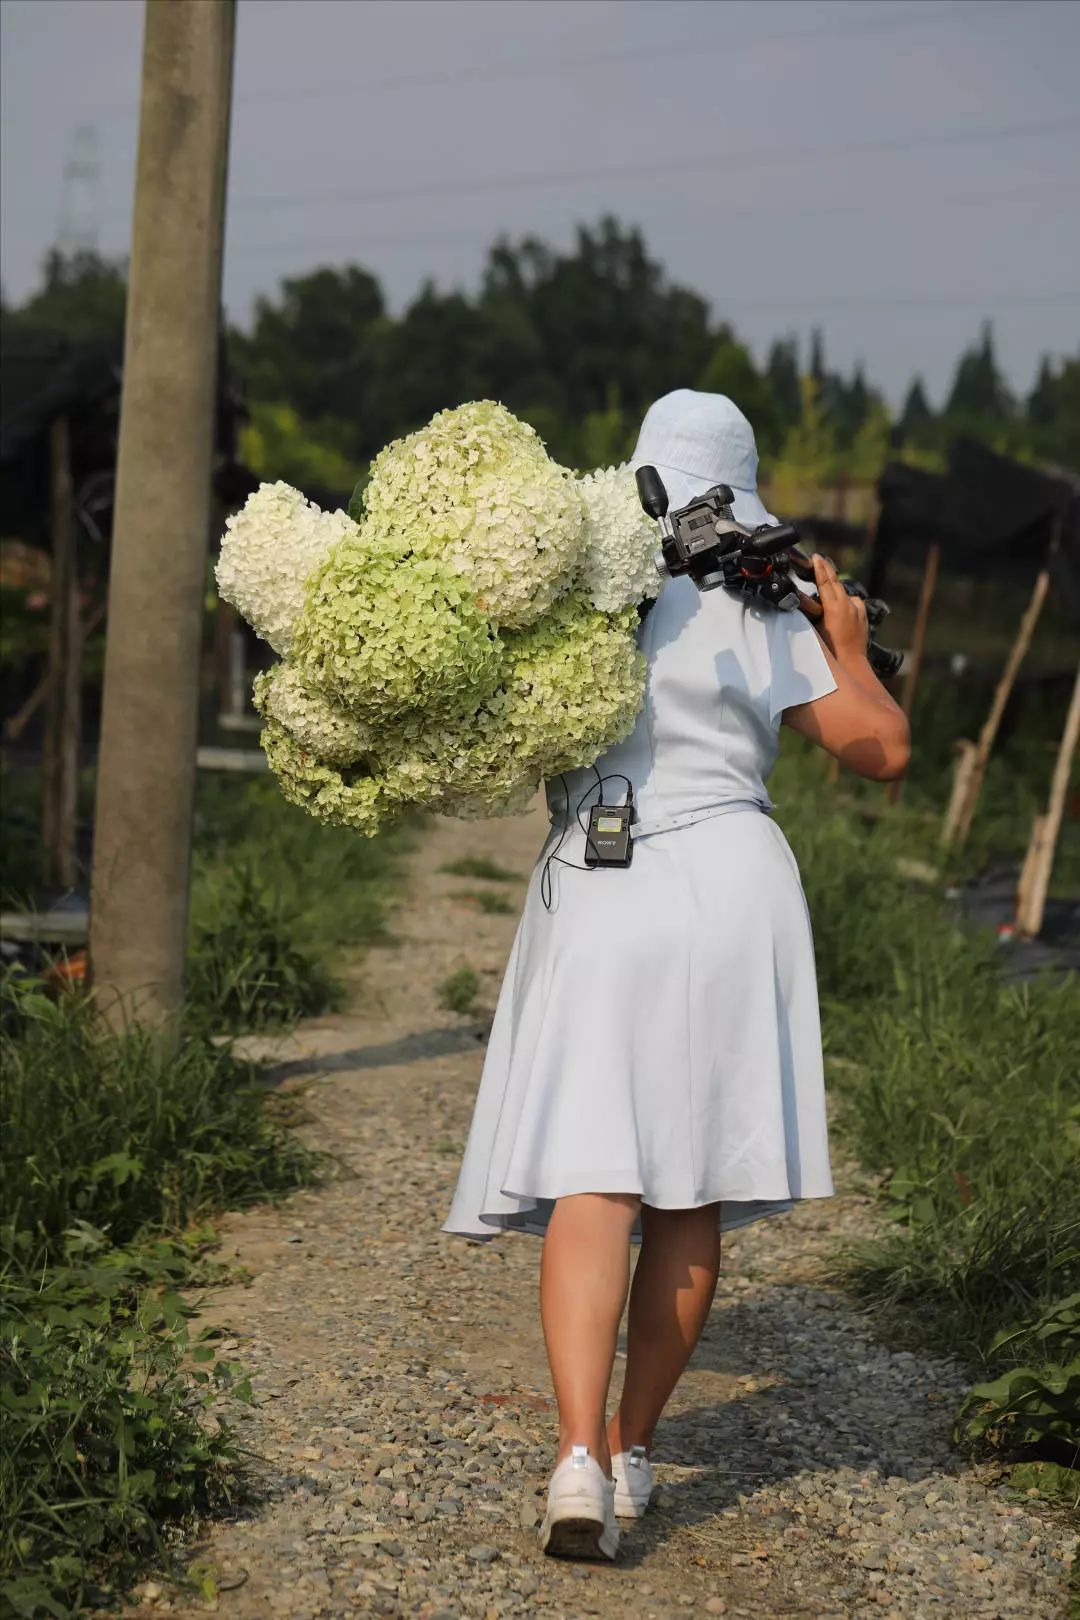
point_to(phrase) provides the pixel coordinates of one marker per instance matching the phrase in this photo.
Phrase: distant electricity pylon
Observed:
(80, 208)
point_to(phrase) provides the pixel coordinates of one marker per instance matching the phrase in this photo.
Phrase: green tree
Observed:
(607, 437)
(917, 419)
(782, 372)
(275, 444)
(808, 459)
(434, 357)
(865, 460)
(82, 296)
(817, 356)
(979, 403)
(603, 315)
(317, 347)
(730, 370)
(1042, 403)
(1053, 414)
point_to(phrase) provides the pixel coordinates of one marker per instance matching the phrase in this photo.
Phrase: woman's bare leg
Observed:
(584, 1275)
(669, 1302)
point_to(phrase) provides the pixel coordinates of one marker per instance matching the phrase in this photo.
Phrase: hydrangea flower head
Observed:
(576, 682)
(320, 727)
(345, 797)
(620, 540)
(573, 685)
(269, 550)
(386, 629)
(477, 489)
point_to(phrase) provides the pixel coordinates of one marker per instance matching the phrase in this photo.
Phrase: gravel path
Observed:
(403, 1420)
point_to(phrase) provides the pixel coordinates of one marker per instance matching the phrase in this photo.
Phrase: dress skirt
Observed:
(657, 1033)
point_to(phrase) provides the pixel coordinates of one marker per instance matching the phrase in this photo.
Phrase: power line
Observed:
(483, 73)
(492, 72)
(748, 158)
(965, 300)
(915, 202)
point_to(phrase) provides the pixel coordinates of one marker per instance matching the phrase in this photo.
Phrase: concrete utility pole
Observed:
(146, 766)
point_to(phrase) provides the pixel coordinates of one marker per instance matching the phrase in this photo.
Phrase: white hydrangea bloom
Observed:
(269, 550)
(477, 489)
(620, 540)
(311, 719)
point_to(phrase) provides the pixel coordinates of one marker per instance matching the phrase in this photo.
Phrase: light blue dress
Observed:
(657, 1030)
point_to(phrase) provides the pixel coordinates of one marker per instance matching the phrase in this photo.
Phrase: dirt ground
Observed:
(403, 1427)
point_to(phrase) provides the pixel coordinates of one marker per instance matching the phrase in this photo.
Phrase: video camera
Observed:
(704, 540)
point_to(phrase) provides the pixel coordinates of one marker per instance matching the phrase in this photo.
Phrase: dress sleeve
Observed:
(799, 670)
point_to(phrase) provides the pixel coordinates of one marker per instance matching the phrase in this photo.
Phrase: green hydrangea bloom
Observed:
(346, 797)
(385, 631)
(573, 686)
(576, 683)
(468, 767)
(477, 489)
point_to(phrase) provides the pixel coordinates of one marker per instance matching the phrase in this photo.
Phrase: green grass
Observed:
(125, 1133)
(111, 1147)
(960, 1092)
(277, 899)
(459, 990)
(478, 866)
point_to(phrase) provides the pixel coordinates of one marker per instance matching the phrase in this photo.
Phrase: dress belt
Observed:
(649, 825)
(660, 824)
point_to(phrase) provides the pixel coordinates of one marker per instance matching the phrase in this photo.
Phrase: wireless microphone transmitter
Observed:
(608, 841)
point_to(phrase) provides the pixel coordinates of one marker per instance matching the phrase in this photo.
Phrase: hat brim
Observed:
(682, 488)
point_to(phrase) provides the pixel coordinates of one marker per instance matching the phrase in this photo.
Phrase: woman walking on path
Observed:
(654, 1072)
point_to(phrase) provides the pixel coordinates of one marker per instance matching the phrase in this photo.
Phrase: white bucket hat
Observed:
(697, 440)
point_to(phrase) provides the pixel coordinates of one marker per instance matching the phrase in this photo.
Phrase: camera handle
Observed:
(653, 496)
(651, 493)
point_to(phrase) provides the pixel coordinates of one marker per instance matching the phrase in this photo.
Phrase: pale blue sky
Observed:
(893, 170)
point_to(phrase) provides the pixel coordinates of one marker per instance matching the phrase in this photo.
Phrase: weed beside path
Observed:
(402, 1412)
(113, 1148)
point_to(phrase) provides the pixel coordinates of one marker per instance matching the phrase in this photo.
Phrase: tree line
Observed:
(577, 342)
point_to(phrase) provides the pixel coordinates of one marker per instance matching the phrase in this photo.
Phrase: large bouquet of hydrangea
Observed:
(469, 633)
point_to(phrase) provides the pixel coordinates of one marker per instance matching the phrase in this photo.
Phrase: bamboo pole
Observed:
(60, 761)
(146, 771)
(963, 760)
(958, 824)
(1040, 861)
(918, 645)
(17, 723)
(1027, 870)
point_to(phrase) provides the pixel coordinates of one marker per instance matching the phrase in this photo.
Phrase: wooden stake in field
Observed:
(1039, 861)
(962, 810)
(63, 691)
(918, 645)
(146, 769)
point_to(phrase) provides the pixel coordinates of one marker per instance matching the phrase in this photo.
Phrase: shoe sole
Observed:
(577, 1538)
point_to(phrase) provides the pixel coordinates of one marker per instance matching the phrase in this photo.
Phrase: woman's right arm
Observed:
(859, 723)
